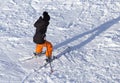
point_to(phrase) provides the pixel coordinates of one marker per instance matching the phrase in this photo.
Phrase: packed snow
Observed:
(85, 35)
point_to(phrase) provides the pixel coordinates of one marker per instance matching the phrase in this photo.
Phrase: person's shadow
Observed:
(95, 32)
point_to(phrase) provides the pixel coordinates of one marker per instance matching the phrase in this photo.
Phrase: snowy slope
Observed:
(91, 28)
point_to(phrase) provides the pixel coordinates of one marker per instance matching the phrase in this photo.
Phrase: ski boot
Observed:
(49, 59)
(38, 54)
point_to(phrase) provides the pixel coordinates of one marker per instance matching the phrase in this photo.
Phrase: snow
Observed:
(89, 27)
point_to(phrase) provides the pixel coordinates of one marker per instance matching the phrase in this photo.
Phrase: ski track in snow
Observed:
(85, 35)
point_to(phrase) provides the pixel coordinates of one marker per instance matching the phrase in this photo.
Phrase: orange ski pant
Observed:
(49, 48)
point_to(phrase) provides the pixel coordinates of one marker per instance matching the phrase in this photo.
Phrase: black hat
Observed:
(45, 13)
(46, 17)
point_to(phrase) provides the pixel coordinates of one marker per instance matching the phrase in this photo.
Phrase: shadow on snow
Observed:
(95, 32)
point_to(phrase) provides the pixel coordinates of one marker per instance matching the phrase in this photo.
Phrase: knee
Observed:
(49, 45)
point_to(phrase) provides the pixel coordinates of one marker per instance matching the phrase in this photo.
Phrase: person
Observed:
(39, 38)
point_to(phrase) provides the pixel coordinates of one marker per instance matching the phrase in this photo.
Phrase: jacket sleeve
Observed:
(39, 23)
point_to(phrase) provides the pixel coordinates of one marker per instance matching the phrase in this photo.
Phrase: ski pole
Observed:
(51, 67)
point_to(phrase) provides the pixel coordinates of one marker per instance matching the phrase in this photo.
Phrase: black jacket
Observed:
(41, 28)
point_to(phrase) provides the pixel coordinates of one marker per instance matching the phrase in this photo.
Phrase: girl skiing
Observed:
(39, 38)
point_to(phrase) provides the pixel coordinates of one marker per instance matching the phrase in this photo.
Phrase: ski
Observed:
(54, 57)
(58, 54)
(63, 51)
(24, 59)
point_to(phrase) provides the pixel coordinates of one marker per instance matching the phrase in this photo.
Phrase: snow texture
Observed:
(85, 35)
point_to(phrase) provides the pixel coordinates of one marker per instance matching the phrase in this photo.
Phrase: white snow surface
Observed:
(91, 28)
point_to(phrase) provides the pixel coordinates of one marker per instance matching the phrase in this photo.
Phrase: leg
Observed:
(49, 49)
(39, 48)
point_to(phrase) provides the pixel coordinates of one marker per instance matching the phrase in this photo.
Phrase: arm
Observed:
(38, 23)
